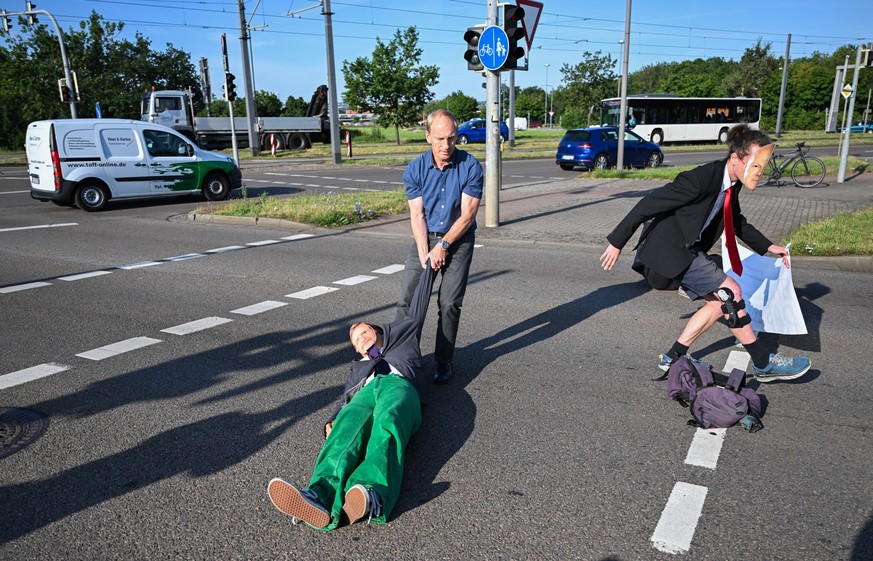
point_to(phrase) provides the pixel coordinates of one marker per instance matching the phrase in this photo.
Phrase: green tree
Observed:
(391, 84)
(111, 71)
(530, 103)
(461, 105)
(295, 107)
(756, 67)
(585, 84)
(267, 104)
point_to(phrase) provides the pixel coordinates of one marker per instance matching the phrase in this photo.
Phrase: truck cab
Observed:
(170, 108)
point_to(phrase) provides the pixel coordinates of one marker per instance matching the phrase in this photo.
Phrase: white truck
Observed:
(173, 108)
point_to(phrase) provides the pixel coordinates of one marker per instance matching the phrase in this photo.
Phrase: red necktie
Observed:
(730, 237)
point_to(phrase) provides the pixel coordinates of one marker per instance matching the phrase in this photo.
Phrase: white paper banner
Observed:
(768, 290)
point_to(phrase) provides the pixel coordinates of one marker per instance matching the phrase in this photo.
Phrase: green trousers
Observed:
(366, 445)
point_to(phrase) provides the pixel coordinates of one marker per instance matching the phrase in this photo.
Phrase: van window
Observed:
(577, 136)
(119, 143)
(163, 144)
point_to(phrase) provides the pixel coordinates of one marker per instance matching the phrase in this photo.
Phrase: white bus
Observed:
(669, 118)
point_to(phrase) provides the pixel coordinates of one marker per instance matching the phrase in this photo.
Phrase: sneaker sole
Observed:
(765, 378)
(291, 501)
(355, 505)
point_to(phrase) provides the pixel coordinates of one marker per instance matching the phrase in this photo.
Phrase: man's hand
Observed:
(781, 252)
(609, 257)
(437, 257)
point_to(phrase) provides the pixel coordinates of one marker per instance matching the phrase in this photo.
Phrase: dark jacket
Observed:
(401, 346)
(679, 210)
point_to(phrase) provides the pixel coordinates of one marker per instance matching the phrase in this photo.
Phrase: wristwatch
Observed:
(445, 244)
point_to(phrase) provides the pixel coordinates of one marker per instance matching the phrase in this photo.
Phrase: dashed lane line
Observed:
(351, 281)
(196, 325)
(258, 308)
(85, 275)
(20, 287)
(30, 374)
(705, 448)
(38, 227)
(390, 269)
(311, 292)
(679, 519)
(118, 348)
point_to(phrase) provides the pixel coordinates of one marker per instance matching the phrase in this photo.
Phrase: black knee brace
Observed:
(731, 308)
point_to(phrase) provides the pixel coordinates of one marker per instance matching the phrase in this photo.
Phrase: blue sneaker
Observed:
(299, 504)
(782, 367)
(667, 360)
(360, 502)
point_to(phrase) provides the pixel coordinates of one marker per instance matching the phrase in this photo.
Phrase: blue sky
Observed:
(289, 52)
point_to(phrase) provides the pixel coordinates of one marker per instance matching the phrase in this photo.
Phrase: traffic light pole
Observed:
(252, 117)
(492, 135)
(844, 154)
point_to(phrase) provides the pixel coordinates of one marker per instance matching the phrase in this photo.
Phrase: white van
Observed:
(87, 162)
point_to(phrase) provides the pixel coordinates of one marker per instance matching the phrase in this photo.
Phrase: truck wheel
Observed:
(280, 142)
(216, 187)
(91, 197)
(298, 141)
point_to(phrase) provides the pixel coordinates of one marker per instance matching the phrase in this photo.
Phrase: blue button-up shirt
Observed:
(440, 190)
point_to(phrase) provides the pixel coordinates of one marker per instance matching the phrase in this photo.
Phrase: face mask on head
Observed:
(756, 166)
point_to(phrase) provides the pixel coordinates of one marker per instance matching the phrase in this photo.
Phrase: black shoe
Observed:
(443, 373)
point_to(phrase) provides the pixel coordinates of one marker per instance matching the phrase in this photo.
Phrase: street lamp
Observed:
(546, 100)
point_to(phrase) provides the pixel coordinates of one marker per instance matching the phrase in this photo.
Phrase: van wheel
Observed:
(216, 187)
(91, 197)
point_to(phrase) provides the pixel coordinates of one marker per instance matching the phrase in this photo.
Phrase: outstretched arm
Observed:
(609, 257)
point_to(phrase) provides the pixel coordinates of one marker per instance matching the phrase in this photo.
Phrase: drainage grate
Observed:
(18, 429)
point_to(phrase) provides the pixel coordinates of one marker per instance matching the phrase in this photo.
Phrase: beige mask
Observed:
(756, 166)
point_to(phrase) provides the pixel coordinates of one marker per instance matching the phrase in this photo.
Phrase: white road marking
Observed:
(14, 192)
(259, 308)
(263, 242)
(185, 257)
(297, 237)
(40, 227)
(705, 447)
(118, 348)
(30, 374)
(81, 276)
(311, 292)
(390, 269)
(139, 265)
(678, 521)
(355, 280)
(197, 325)
(737, 359)
(225, 249)
(26, 286)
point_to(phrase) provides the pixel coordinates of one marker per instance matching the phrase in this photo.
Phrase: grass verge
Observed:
(848, 233)
(326, 210)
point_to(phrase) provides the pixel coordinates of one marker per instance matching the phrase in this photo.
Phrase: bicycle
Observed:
(807, 171)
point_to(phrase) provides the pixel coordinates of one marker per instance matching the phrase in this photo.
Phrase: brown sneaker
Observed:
(301, 504)
(361, 502)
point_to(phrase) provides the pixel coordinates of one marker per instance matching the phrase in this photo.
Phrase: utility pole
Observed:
(511, 119)
(619, 164)
(782, 90)
(252, 117)
(492, 134)
(333, 110)
(844, 155)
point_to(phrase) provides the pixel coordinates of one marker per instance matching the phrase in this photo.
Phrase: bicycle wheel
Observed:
(767, 173)
(808, 172)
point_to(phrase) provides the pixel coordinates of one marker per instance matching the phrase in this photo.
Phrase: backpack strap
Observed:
(736, 380)
(703, 372)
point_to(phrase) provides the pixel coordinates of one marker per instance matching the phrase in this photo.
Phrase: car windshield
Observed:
(576, 136)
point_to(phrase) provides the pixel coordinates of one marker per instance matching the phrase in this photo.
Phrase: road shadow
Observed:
(451, 416)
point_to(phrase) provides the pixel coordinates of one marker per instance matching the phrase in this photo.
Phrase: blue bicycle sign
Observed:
(493, 47)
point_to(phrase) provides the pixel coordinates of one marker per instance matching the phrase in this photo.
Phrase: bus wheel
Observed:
(91, 197)
(657, 136)
(722, 136)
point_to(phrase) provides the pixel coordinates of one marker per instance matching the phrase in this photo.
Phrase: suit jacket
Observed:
(678, 211)
(401, 346)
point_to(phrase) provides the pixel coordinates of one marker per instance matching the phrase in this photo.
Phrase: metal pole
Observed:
(546, 99)
(619, 163)
(511, 138)
(333, 109)
(841, 176)
(867, 110)
(492, 135)
(251, 114)
(845, 105)
(782, 90)
(233, 141)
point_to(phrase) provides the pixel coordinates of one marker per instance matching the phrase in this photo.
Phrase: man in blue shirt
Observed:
(443, 190)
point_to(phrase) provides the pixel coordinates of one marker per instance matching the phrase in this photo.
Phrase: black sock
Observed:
(677, 350)
(760, 356)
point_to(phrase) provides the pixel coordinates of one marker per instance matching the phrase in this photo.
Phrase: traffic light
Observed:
(229, 86)
(7, 21)
(512, 16)
(65, 93)
(31, 19)
(472, 55)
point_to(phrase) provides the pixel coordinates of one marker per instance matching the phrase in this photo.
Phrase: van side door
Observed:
(124, 160)
(173, 166)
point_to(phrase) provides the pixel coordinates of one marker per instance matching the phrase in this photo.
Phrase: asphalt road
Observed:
(551, 443)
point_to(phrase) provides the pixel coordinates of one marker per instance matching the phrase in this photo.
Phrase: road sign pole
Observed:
(844, 157)
(492, 135)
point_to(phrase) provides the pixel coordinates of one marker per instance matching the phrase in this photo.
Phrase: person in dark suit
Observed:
(360, 467)
(687, 218)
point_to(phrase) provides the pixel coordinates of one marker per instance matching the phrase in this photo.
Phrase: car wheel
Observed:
(462, 139)
(502, 139)
(657, 136)
(91, 197)
(601, 161)
(216, 187)
(567, 167)
(654, 160)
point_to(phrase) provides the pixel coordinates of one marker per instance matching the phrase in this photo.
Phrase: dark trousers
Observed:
(450, 297)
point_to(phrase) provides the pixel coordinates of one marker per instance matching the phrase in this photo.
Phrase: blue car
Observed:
(860, 127)
(597, 147)
(474, 131)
